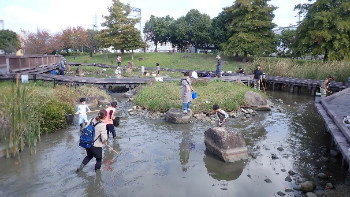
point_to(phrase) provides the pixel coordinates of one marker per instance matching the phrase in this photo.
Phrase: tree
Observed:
(198, 28)
(9, 41)
(41, 42)
(286, 40)
(157, 29)
(118, 25)
(250, 28)
(178, 33)
(325, 30)
(92, 41)
(74, 38)
(219, 32)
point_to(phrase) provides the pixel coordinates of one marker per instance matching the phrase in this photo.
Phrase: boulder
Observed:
(256, 101)
(175, 115)
(229, 146)
(307, 186)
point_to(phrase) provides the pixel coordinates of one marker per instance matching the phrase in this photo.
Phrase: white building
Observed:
(162, 47)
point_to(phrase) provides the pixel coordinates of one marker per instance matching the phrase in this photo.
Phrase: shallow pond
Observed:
(162, 159)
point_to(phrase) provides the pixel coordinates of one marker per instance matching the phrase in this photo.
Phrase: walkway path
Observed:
(333, 109)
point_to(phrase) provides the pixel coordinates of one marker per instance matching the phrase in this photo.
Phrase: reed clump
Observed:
(306, 69)
(28, 110)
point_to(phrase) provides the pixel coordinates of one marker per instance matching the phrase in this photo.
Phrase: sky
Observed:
(55, 15)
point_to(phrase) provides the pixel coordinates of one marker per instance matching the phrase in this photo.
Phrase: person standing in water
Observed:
(100, 138)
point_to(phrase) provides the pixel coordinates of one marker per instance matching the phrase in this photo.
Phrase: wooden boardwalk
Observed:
(272, 82)
(333, 109)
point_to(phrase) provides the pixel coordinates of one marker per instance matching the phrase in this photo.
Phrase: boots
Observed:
(80, 168)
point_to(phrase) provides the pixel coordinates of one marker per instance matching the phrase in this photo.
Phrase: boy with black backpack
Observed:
(92, 138)
(220, 114)
(109, 119)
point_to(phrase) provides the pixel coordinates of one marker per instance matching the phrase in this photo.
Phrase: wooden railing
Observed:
(12, 63)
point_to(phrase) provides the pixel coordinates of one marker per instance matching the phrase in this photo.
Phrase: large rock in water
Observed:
(177, 116)
(229, 146)
(256, 101)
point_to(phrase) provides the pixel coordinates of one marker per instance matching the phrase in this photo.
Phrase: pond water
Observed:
(162, 159)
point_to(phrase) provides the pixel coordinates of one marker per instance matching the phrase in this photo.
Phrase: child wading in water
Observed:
(100, 138)
(109, 119)
(82, 110)
(220, 114)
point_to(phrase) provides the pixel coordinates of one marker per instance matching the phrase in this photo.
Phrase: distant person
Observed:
(257, 77)
(218, 66)
(82, 110)
(194, 75)
(186, 89)
(19, 52)
(119, 60)
(157, 69)
(61, 66)
(325, 86)
(220, 114)
(241, 71)
(118, 72)
(109, 119)
(100, 138)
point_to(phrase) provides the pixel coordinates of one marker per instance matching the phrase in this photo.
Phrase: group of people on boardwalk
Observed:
(103, 126)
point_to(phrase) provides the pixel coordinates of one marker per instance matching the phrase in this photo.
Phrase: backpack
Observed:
(88, 135)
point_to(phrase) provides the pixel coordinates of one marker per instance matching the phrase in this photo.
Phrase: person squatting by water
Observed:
(218, 66)
(157, 69)
(100, 138)
(109, 119)
(257, 77)
(186, 94)
(82, 110)
(220, 114)
(325, 86)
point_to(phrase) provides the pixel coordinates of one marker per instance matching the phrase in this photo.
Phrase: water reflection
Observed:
(94, 184)
(185, 147)
(221, 170)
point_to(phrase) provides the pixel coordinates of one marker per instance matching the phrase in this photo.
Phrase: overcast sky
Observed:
(55, 15)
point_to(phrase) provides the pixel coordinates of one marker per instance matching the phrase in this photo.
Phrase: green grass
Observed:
(307, 69)
(166, 60)
(163, 96)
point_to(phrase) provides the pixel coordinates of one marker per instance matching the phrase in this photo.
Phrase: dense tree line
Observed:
(243, 29)
(246, 28)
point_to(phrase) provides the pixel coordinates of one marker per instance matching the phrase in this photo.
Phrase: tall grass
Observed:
(163, 96)
(302, 69)
(35, 108)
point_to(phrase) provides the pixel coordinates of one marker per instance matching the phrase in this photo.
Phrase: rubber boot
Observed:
(80, 168)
